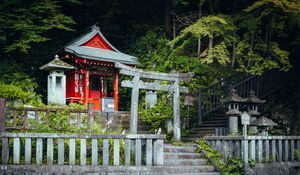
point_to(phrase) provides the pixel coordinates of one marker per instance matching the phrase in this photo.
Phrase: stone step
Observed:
(179, 149)
(213, 125)
(203, 173)
(215, 121)
(182, 156)
(190, 139)
(188, 169)
(203, 129)
(198, 135)
(185, 162)
(207, 131)
(216, 118)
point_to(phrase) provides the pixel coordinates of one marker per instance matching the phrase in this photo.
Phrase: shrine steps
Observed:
(185, 160)
(216, 125)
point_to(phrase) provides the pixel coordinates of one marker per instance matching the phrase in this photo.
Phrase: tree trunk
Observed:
(174, 28)
(167, 17)
(199, 37)
(251, 46)
(211, 7)
(266, 32)
(234, 35)
(233, 51)
(270, 34)
(295, 79)
(210, 45)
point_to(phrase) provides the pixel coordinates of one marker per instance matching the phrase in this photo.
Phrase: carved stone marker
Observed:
(245, 120)
(136, 84)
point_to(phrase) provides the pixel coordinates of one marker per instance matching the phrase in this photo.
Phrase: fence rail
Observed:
(263, 85)
(85, 152)
(18, 118)
(26, 118)
(262, 149)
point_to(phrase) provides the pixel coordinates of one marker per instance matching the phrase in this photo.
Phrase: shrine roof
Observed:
(101, 54)
(56, 63)
(93, 45)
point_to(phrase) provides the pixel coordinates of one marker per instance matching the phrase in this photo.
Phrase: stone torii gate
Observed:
(136, 84)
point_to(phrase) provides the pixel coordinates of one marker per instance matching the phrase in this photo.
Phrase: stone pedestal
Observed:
(169, 125)
(151, 99)
(233, 125)
(253, 129)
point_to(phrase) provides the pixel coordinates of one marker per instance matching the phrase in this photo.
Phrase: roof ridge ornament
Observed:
(96, 26)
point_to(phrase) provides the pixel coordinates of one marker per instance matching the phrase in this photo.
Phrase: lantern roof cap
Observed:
(233, 112)
(233, 97)
(263, 121)
(253, 98)
(56, 64)
(109, 53)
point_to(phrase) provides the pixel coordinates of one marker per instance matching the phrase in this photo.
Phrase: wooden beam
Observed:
(86, 87)
(127, 70)
(116, 92)
(153, 86)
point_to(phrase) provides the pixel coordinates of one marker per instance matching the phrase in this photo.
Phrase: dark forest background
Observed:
(212, 38)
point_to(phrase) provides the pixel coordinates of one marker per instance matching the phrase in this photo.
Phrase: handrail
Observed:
(209, 98)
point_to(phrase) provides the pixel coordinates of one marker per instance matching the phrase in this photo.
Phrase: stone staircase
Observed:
(216, 125)
(184, 160)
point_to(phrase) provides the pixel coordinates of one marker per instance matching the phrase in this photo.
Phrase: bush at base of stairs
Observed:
(233, 166)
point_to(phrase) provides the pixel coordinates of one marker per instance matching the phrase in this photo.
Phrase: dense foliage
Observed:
(232, 166)
(211, 38)
(156, 115)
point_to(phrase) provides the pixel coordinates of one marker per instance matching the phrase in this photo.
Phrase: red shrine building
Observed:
(94, 78)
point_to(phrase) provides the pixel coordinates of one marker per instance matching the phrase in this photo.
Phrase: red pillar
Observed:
(116, 91)
(86, 87)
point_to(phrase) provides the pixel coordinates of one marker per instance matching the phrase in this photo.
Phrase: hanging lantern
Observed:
(189, 100)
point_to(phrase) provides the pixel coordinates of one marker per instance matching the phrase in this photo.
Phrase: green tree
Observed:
(26, 23)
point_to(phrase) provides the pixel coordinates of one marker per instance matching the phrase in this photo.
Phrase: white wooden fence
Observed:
(79, 153)
(262, 149)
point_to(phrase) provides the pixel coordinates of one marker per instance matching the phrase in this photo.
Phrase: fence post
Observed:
(2, 114)
(245, 149)
(158, 152)
(91, 114)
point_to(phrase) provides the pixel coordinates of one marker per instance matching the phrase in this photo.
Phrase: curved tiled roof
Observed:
(76, 47)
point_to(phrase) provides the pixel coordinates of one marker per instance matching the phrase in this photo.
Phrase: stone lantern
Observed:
(188, 101)
(253, 102)
(263, 125)
(56, 80)
(233, 101)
